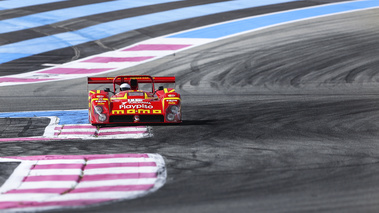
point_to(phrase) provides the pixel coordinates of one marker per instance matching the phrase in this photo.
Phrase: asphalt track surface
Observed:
(120, 40)
(280, 120)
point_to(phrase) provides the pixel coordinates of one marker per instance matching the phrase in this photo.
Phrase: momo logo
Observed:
(116, 112)
(138, 106)
(136, 111)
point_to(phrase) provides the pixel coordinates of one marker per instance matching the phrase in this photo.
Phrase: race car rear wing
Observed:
(127, 79)
(121, 79)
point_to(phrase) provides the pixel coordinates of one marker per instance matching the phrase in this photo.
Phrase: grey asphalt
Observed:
(280, 120)
(121, 40)
(22, 127)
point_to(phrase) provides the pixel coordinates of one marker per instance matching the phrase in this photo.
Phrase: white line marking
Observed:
(120, 170)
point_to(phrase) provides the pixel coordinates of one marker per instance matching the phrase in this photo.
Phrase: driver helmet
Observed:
(124, 87)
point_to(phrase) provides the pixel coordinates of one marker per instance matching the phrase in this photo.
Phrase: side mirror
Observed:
(160, 88)
(107, 90)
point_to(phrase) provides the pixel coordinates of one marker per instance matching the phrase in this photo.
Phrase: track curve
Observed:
(280, 120)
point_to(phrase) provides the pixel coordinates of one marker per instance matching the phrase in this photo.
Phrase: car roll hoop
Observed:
(133, 84)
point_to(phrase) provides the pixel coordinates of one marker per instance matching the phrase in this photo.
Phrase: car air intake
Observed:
(121, 119)
(151, 118)
(130, 119)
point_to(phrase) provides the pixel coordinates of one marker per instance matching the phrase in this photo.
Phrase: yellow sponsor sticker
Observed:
(114, 112)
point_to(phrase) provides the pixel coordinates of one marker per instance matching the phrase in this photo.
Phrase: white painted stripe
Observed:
(39, 172)
(123, 129)
(47, 184)
(49, 130)
(78, 136)
(124, 136)
(120, 170)
(75, 130)
(75, 134)
(78, 125)
(113, 170)
(95, 161)
(99, 195)
(118, 182)
(161, 173)
(50, 65)
(86, 133)
(48, 197)
(35, 209)
(89, 65)
(26, 197)
(125, 54)
(68, 133)
(61, 161)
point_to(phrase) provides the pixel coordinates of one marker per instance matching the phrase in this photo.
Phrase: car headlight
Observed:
(170, 117)
(174, 109)
(98, 109)
(102, 117)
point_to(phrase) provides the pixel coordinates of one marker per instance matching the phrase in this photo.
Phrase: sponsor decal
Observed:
(116, 112)
(100, 100)
(138, 106)
(135, 100)
(136, 111)
(140, 78)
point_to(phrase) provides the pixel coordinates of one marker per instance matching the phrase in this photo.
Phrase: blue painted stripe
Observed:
(31, 47)
(66, 117)
(13, 4)
(50, 17)
(231, 28)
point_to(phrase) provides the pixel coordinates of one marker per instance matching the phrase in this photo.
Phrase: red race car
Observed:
(131, 104)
